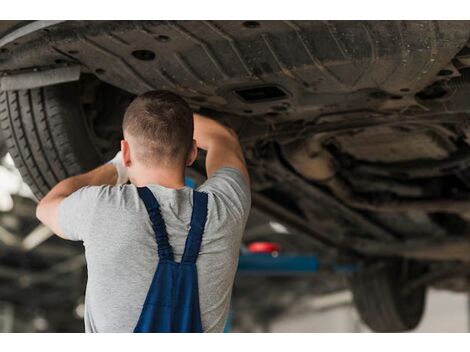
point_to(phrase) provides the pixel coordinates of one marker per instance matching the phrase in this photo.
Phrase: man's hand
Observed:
(47, 210)
(221, 144)
(122, 176)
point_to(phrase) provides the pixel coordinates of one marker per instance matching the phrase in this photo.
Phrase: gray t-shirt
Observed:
(121, 251)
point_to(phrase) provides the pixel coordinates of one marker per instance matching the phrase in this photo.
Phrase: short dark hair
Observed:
(163, 122)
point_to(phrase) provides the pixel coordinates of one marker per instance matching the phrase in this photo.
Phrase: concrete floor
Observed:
(445, 312)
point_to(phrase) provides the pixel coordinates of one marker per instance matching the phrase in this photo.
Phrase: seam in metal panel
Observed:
(204, 46)
(318, 64)
(231, 42)
(432, 53)
(404, 54)
(162, 72)
(348, 58)
(185, 65)
(284, 69)
(118, 59)
(117, 39)
(373, 55)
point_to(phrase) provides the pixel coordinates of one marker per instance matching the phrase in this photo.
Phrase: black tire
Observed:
(3, 147)
(46, 134)
(380, 301)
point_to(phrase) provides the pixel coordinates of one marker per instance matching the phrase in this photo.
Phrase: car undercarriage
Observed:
(356, 133)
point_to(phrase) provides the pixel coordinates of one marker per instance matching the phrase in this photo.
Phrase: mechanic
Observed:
(120, 223)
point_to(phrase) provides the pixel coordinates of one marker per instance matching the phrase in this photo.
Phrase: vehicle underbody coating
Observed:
(356, 133)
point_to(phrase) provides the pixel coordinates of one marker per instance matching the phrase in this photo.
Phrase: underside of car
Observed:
(356, 133)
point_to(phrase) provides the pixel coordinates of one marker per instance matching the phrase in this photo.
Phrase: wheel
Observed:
(380, 300)
(3, 147)
(51, 132)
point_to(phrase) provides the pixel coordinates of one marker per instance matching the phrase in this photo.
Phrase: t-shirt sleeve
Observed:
(228, 185)
(76, 212)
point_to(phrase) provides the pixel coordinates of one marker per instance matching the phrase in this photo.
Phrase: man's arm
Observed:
(47, 210)
(221, 144)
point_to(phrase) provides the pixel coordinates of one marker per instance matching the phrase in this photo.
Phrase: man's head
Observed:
(158, 131)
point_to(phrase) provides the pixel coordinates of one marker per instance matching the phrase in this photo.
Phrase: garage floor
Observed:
(445, 312)
(321, 303)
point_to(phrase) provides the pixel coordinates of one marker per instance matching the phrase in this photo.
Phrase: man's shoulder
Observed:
(224, 179)
(107, 195)
(90, 210)
(230, 193)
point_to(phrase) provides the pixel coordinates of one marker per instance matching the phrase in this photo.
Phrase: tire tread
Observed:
(45, 132)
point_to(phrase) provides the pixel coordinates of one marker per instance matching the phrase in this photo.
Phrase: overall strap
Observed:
(196, 230)
(153, 209)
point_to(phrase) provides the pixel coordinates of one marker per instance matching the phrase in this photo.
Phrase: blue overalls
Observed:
(172, 302)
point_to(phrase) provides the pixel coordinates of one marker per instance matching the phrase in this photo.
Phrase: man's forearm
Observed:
(222, 146)
(207, 130)
(102, 175)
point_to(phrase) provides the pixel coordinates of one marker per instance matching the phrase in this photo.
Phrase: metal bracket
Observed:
(35, 79)
(25, 30)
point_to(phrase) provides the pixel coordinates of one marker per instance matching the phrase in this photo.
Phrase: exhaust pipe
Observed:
(316, 164)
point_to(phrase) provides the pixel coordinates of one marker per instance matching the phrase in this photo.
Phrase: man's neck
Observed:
(169, 178)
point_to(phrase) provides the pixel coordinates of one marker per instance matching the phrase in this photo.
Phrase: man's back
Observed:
(121, 251)
(162, 136)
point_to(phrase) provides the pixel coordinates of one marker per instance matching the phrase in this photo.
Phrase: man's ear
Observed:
(126, 153)
(192, 154)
